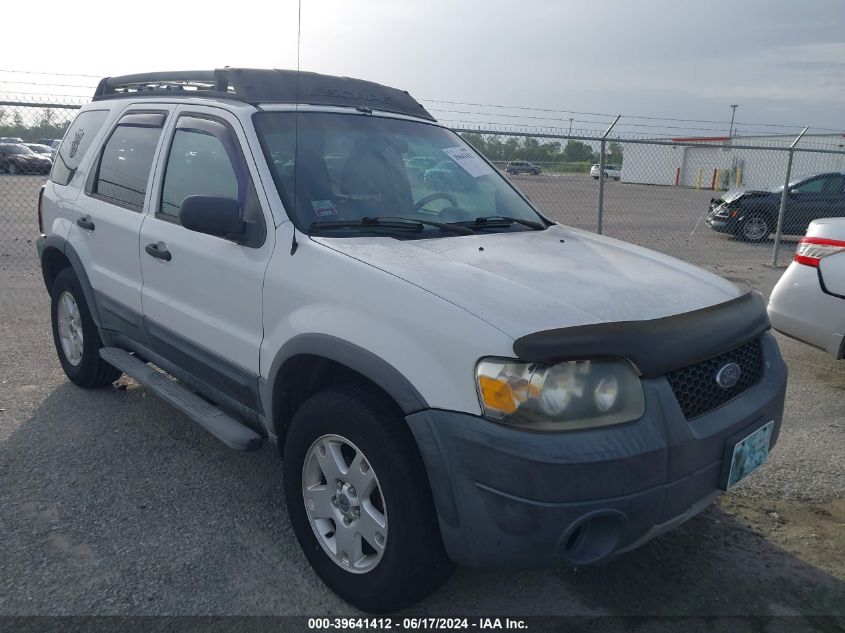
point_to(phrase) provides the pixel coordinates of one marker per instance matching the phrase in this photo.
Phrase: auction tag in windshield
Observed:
(469, 160)
(323, 207)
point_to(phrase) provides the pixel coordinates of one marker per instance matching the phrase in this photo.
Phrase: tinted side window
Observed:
(127, 159)
(810, 186)
(205, 159)
(198, 164)
(834, 184)
(76, 143)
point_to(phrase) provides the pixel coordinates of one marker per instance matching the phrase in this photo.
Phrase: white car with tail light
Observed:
(808, 302)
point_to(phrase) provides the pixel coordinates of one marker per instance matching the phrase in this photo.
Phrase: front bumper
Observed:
(722, 225)
(511, 498)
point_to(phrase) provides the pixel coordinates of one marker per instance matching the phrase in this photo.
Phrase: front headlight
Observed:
(566, 396)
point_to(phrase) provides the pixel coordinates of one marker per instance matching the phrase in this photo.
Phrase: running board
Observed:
(225, 428)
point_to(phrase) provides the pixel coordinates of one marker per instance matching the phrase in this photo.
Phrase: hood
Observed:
(735, 194)
(528, 281)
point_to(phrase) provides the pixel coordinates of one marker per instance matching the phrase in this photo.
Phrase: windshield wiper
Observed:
(389, 222)
(500, 220)
(443, 226)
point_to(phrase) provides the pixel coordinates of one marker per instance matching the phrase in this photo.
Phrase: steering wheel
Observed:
(435, 196)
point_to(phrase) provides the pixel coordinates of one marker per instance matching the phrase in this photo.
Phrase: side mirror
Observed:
(213, 215)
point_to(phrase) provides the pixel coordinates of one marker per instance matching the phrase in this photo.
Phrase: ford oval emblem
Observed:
(728, 375)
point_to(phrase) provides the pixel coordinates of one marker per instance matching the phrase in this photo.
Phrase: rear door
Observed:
(111, 212)
(203, 305)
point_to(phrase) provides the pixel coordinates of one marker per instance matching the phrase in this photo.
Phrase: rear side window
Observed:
(127, 158)
(76, 143)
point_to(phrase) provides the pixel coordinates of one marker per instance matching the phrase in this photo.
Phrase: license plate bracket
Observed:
(744, 453)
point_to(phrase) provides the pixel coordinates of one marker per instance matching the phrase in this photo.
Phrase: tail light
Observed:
(40, 214)
(811, 250)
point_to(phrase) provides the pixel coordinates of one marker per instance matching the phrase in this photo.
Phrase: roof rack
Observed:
(263, 86)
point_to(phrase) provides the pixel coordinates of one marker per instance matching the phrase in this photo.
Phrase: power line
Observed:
(34, 83)
(539, 118)
(605, 114)
(33, 72)
(40, 94)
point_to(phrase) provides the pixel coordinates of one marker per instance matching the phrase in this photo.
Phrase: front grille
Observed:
(695, 386)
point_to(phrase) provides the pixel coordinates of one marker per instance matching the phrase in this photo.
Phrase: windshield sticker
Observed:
(471, 162)
(323, 207)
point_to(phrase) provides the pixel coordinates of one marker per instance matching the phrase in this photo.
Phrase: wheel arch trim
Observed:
(47, 243)
(351, 356)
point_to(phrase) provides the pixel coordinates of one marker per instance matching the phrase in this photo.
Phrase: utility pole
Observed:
(570, 126)
(733, 113)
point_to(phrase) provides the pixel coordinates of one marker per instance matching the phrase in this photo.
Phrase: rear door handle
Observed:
(159, 251)
(85, 223)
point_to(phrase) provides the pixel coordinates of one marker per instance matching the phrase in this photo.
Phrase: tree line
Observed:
(497, 148)
(45, 125)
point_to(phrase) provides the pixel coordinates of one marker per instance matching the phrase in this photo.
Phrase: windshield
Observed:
(332, 167)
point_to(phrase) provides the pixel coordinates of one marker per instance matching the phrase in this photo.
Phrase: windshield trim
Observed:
(287, 205)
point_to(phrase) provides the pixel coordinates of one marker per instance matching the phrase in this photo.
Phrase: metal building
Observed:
(714, 162)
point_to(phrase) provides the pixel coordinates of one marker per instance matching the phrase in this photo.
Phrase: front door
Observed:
(819, 197)
(202, 295)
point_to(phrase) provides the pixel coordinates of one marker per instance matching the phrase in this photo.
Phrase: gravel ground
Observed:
(114, 504)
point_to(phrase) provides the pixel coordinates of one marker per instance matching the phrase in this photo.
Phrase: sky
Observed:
(782, 61)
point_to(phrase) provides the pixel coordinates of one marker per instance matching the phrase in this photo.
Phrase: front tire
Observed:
(754, 228)
(359, 501)
(76, 336)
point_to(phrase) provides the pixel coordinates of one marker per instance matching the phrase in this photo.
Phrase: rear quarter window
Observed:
(76, 144)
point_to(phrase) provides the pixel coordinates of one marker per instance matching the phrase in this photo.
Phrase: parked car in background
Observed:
(19, 159)
(44, 150)
(10, 139)
(449, 176)
(52, 142)
(610, 171)
(752, 215)
(808, 302)
(516, 167)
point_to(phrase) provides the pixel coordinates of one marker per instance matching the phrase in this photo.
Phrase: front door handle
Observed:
(85, 223)
(159, 251)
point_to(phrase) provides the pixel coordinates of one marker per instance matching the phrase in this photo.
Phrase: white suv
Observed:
(450, 376)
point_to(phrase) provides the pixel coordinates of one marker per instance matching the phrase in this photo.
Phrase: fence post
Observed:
(784, 196)
(601, 173)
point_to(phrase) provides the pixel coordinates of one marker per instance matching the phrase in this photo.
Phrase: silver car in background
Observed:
(808, 302)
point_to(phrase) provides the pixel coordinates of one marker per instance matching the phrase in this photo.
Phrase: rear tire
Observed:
(755, 228)
(76, 336)
(412, 562)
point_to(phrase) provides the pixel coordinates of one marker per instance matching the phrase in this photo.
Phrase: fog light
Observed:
(606, 393)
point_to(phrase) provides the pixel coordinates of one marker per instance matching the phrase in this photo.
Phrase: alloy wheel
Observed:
(70, 328)
(755, 228)
(344, 503)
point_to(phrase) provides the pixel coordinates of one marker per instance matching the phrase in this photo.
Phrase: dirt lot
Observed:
(115, 504)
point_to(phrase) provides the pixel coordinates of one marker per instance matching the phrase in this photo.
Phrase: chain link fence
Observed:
(716, 202)
(29, 136)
